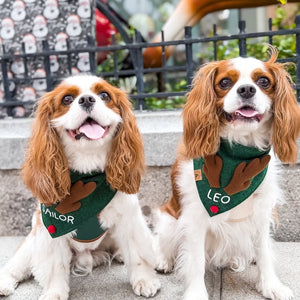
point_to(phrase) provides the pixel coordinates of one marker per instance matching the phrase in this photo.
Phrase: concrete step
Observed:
(111, 283)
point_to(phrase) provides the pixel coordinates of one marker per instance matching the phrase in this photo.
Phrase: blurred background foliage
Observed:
(256, 47)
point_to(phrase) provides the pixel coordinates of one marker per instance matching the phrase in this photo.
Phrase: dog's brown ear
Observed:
(286, 125)
(45, 171)
(200, 120)
(126, 159)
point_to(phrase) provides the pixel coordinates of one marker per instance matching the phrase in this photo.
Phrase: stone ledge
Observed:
(161, 132)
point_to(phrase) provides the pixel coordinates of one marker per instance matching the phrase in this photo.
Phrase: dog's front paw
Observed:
(54, 295)
(146, 287)
(144, 281)
(275, 290)
(7, 284)
(118, 257)
(164, 265)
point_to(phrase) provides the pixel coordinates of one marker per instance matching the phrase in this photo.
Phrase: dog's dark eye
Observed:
(225, 83)
(263, 82)
(67, 100)
(104, 96)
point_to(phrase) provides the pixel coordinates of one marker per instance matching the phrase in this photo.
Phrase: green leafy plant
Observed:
(171, 102)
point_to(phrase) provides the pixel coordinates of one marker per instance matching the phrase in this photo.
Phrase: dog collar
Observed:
(227, 178)
(90, 193)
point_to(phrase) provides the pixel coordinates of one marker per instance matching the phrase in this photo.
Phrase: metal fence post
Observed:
(25, 62)
(215, 42)
(69, 58)
(49, 80)
(270, 29)
(161, 76)
(115, 58)
(242, 41)
(189, 57)
(139, 68)
(92, 54)
(7, 94)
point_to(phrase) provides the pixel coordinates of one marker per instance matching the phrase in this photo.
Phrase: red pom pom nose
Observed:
(51, 229)
(214, 209)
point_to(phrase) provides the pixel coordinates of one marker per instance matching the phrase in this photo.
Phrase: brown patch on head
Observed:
(98, 87)
(257, 74)
(225, 71)
(58, 94)
(114, 94)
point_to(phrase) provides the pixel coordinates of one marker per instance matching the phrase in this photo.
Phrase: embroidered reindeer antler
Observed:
(244, 173)
(79, 191)
(212, 169)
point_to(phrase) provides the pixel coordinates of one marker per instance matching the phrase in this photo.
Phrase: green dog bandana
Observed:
(227, 178)
(90, 193)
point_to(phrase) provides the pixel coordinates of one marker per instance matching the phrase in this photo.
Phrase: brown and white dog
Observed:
(85, 126)
(242, 104)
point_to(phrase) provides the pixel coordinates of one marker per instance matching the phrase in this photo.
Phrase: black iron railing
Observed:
(134, 47)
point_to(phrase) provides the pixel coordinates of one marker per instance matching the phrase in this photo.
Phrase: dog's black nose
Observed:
(86, 101)
(246, 91)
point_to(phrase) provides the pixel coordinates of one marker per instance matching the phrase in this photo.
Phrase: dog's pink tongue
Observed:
(247, 112)
(92, 130)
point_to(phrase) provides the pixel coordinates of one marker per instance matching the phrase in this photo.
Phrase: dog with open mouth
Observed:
(84, 164)
(225, 183)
